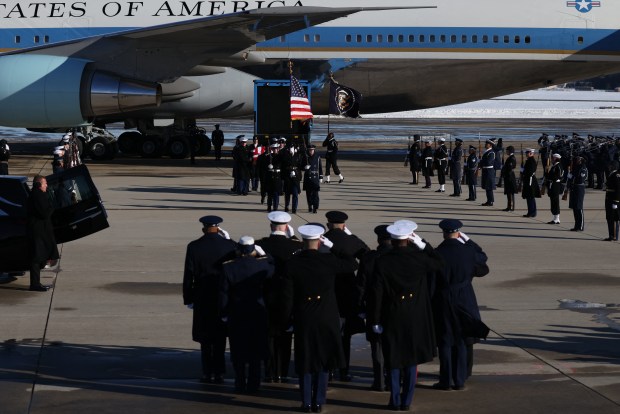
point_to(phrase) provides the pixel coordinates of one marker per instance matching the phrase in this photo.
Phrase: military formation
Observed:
(562, 167)
(412, 302)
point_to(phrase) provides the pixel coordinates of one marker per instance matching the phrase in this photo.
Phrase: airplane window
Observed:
(390, 38)
(317, 38)
(527, 39)
(348, 38)
(306, 38)
(463, 39)
(411, 38)
(495, 39)
(485, 39)
(36, 39)
(369, 38)
(517, 39)
(474, 39)
(282, 39)
(46, 39)
(401, 38)
(421, 38)
(580, 39)
(506, 39)
(380, 38)
(453, 39)
(442, 38)
(432, 38)
(18, 39)
(358, 38)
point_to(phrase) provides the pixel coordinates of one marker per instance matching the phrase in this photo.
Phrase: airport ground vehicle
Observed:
(79, 212)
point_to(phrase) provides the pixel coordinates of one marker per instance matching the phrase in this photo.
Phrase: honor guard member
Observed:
(291, 177)
(331, 157)
(531, 189)
(577, 181)
(256, 150)
(471, 172)
(457, 166)
(59, 153)
(414, 156)
(313, 177)
(612, 199)
(427, 166)
(5, 155)
(454, 295)
(217, 138)
(310, 297)
(41, 238)
(510, 180)
(553, 181)
(281, 245)
(543, 143)
(487, 165)
(346, 245)
(272, 177)
(441, 160)
(201, 287)
(365, 278)
(499, 159)
(242, 307)
(400, 309)
(242, 158)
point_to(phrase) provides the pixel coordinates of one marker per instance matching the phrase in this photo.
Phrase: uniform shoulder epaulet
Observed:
(297, 251)
(228, 261)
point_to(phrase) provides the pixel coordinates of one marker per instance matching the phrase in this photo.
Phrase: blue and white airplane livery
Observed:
(74, 63)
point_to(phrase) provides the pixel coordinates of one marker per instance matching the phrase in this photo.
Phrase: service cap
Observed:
(411, 224)
(381, 232)
(471, 147)
(399, 231)
(530, 150)
(58, 151)
(274, 146)
(246, 244)
(490, 141)
(442, 139)
(458, 140)
(310, 231)
(335, 216)
(450, 225)
(242, 138)
(209, 221)
(279, 217)
(60, 147)
(428, 141)
(311, 146)
(556, 156)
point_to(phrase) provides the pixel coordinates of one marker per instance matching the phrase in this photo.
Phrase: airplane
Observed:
(87, 64)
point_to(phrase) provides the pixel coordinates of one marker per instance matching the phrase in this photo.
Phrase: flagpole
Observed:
(290, 78)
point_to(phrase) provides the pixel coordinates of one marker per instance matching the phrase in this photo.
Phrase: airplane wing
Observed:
(165, 52)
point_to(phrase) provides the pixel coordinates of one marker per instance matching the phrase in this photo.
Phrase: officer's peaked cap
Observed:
(335, 216)
(310, 231)
(246, 244)
(458, 139)
(450, 225)
(209, 221)
(381, 232)
(399, 231)
(412, 225)
(279, 217)
(442, 139)
(471, 147)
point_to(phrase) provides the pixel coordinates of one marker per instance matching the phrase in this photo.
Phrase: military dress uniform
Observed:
(441, 160)
(457, 167)
(5, 155)
(271, 177)
(415, 164)
(471, 171)
(243, 305)
(331, 157)
(510, 180)
(310, 297)
(201, 286)
(487, 182)
(612, 200)
(427, 164)
(577, 182)
(454, 294)
(291, 176)
(242, 158)
(531, 189)
(313, 176)
(554, 188)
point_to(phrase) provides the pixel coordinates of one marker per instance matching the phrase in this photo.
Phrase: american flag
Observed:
(300, 106)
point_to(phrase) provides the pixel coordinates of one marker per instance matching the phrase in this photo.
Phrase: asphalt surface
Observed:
(113, 335)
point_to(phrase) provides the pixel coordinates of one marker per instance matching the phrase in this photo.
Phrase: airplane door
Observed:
(78, 210)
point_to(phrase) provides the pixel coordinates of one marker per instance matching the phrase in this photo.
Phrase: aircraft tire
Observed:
(98, 149)
(178, 147)
(128, 142)
(149, 147)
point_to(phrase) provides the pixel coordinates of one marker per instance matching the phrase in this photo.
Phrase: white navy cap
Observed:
(60, 147)
(246, 244)
(557, 156)
(243, 139)
(399, 231)
(279, 217)
(411, 224)
(274, 146)
(58, 151)
(442, 139)
(310, 232)
(530, 150)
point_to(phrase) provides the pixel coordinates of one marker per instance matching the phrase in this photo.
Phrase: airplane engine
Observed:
(40, 91)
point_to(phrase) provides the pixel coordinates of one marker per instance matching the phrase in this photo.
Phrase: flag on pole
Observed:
(344, 100)
(300, 106)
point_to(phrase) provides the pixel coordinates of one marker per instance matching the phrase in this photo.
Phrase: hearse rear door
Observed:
(78, 210)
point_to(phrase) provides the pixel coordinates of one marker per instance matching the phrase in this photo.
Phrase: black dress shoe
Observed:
(306, 408)
(427, 186)
(526, 215)
(39, 288)
(218, 379)
(458, 387)
(404, 408)
(553, 222)
(268, 380)
(454, 195)
(205, 379)
(440, 386)
(294, 211)
(393, 407)
(487, 204)
(609, 239)
(317, 408)
(346, 378)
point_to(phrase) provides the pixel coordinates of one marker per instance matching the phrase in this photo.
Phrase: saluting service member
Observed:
(348, 293)
(487, 165)
(457, 167)
(281, 244)
(242, 306)
(531, 189)
(554, 187)
(201, 286)
(510, 180)
(331, 157)
(427, 160)
(577, 181)
(472, 173)
(400, 309)
(365, 277)
(454, 296)
(313, 177)
(441, 160)
(310, 297)
(612, 199)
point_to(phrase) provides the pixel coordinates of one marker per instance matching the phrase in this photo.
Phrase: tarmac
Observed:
(113, 335)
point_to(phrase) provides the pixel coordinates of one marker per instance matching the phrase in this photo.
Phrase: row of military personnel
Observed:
(407, 297)
(279, 169)
(565, 174)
